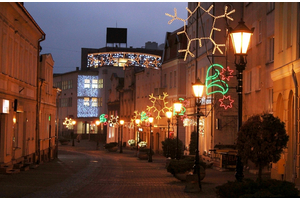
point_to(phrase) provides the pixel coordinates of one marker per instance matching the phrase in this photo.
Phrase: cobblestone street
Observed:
(81, 171)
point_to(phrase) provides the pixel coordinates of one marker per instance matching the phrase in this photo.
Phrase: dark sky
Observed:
(69, 26)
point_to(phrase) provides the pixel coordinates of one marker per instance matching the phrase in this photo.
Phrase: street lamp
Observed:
(240, 37)
(177, 109)
(137, 121)
(122, 123)
(73, 124)
(150, 154)
(169, 115)
(198, 89)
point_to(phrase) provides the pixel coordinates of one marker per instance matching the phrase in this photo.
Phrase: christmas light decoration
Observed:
(113, 120)
(123, 59)
(226, 73)
(103, 119)
(226, 105)
(214, 80)
(185, 103)
(69, 122)
(213, 28)
(160, 101)
(132, 121)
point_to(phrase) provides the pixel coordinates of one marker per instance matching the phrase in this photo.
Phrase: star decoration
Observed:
(226, 73)
(226, 98)
(113, 120)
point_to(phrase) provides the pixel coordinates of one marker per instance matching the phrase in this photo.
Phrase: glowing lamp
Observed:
(137, 121)
(97, 122)
(121, 122)
(177, 107)
(14, 120)
(169, 114)
(73, 122)
(198, 88)
(150, 120)
(240, 37)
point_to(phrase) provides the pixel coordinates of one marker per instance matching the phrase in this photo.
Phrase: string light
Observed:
(155, 101)
(226, 73)
(214, 81)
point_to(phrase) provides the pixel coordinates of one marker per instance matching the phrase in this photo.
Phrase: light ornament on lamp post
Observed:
(169, 115)
(198, 89)
(177, 109)
(121, 123)
(150, 154)
(240, 37)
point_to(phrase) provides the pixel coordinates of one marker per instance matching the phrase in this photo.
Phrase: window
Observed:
(100, 83)
(270, 104)
(171, 79)
(248, 81)
(271, 49)
(100, 102)
(87, 83)
(94, 102)
(175, 79)
(70, 84)
(257, 78)
(259, 31)
(94, 83)
(86, 101)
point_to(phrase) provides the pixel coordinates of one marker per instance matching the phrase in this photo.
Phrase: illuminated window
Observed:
(100, 83)
(70, 84)
(86, 101)
(87, 83)
(94, 102)
(94, 83)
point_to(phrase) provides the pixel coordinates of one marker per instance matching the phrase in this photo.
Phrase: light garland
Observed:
(103, 119)
(113, 120)
(225, 72)
(226, 105)
(214, 81)
(210, 37)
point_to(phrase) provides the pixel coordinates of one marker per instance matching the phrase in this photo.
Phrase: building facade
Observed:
(27, 123)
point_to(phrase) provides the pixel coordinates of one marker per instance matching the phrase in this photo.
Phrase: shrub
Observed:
(172, 147)
(110, 145)
(183, 165)
(257, 189)
(143, 144)
(146, 150)
(131, 142)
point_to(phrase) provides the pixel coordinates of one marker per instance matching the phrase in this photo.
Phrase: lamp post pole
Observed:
(150, 154)
(169, 115)
(137, 121)
(198, 89)
(177, 108)
(240, 36)
(121, 147)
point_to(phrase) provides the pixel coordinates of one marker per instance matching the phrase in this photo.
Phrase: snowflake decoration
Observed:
(226, 73)
(155, 101)
(113, 120)
(190, 40)
(228, 98)
(68, 123)
(135, 116)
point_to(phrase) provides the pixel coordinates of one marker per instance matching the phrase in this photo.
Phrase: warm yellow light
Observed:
(137, 121)
(121, 122)
(198, 88)
(97, 122)
(73, 122)
(169, 114)
(151, 120)
(240, 37)
(177, 107)
(14, 120)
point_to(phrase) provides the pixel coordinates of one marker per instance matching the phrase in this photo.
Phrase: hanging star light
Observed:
(226, 73)
(113, 120)
(161, 100)
(68, 123)
(213, 28)
(227, 98)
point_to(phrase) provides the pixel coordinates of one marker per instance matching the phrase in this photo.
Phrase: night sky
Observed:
(70, 26)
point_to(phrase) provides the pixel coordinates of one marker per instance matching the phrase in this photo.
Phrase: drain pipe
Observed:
(295, 127)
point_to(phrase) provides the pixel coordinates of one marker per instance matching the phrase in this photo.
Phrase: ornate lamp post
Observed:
(240, 37)
(150, 154)
(177, 108)
(137, 121)
(121, 147)
(198, 89)
(169, 115)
